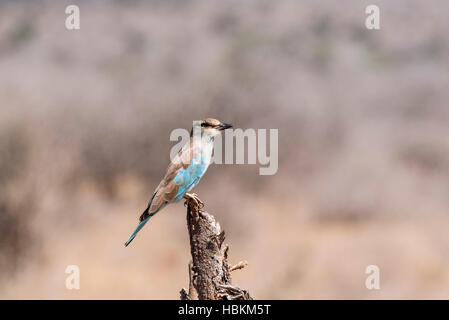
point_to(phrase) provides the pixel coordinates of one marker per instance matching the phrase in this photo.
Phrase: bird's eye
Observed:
(204, 124)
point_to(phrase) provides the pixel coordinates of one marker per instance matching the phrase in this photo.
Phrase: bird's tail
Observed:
(147, 217)
(144, 217)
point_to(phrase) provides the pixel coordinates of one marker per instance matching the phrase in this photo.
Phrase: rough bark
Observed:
(209, 270)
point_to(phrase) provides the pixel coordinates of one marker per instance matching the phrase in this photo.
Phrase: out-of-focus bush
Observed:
(15, 231)
(85, 120)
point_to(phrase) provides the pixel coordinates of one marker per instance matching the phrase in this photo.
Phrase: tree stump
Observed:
(209, 271)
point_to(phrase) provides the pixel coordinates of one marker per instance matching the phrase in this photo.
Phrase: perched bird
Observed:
(185, 171)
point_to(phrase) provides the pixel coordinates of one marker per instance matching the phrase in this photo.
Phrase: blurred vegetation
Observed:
(15, 233)
(85, 119)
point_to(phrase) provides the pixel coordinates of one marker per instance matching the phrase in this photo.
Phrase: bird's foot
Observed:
(193, 201)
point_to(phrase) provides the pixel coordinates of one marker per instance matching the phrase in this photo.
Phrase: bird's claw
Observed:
(193, 201)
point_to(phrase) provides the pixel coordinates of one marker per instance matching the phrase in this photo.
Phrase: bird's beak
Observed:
(224, 126)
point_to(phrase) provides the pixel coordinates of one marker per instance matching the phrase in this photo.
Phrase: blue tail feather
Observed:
(144, 217)
(140, 226)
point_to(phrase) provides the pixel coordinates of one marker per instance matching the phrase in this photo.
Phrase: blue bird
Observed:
(184, 172)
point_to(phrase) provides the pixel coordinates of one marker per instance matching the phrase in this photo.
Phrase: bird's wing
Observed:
(168, 189)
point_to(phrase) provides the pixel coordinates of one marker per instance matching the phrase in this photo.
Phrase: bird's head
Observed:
(213, 127)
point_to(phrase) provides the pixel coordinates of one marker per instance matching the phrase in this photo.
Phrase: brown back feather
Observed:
(167, 189)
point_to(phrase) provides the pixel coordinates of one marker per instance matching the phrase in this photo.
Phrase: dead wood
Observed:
(209, 270)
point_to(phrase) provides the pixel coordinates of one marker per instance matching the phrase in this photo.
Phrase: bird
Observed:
(185, 171)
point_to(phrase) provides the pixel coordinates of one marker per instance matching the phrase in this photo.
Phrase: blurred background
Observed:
(363, 119)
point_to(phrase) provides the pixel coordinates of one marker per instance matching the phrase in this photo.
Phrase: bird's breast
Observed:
(189, 176)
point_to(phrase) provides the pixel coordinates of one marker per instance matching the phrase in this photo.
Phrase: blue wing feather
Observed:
(189, 177)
